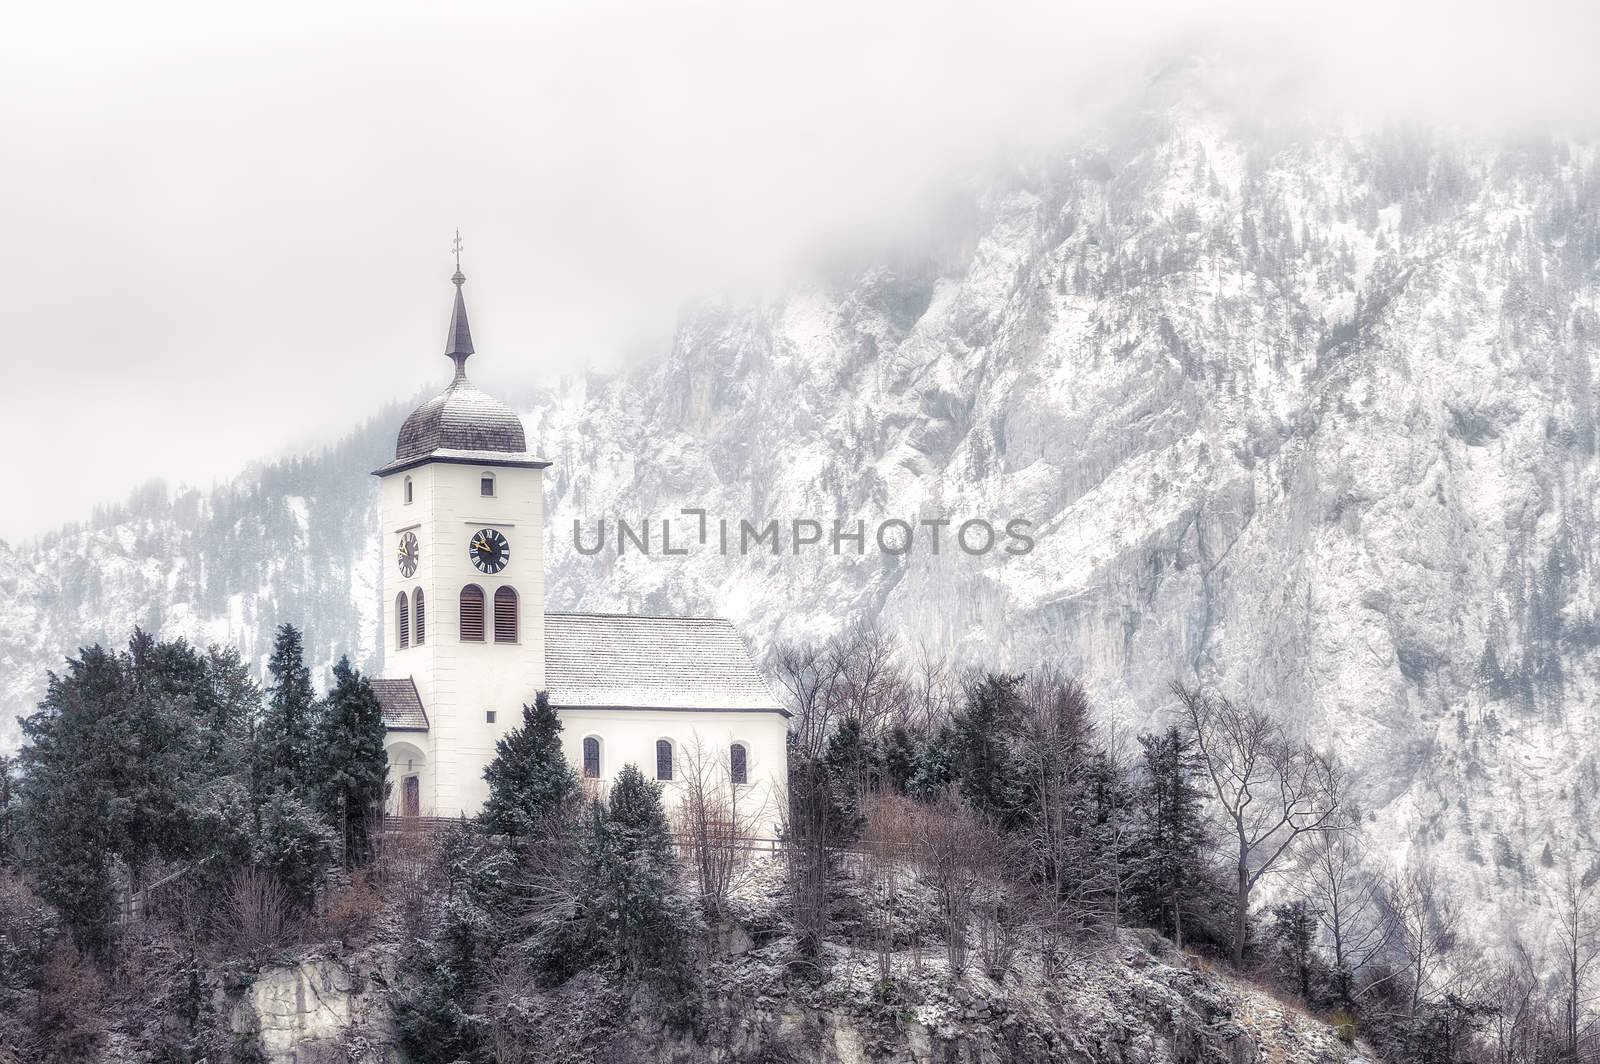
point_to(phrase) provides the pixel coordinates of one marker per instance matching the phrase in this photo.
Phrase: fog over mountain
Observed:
(1311, 416)
(213, 201)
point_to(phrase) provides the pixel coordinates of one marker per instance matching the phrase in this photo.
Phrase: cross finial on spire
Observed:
(458, 344)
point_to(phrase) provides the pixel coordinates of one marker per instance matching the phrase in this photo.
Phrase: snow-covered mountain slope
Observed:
(1310, 416)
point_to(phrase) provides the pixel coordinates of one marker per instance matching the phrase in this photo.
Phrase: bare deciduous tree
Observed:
(1425, 918)
(1349, 906)
(808, 675)
(1576, 903)
(955, 850)
(714, 817)
(891, 822)
(935, 691)
(1270, 789)
(1058, 756)
(871, 685)
(808, 831)
(1513, 989)
(255, 911)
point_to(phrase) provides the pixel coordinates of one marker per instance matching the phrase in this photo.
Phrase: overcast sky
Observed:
(227, 235)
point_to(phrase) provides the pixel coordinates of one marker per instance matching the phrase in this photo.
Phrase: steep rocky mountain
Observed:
(1308, 415)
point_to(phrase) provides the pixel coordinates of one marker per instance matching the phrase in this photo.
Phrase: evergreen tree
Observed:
(1295, 926)
(102, 777)
(983, 759)
(1113, 833)
(851, 766)
(899, 759)
(530, 778)
(294, 844)
(1170, 832)
(228, 711)
(351, 762)
(66, 797)
(633, 912)
(436, 999)
(156, 769)
(8, 815)
(937, 768)
(284, 754)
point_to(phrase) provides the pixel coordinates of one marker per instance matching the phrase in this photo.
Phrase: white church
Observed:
(469, 641)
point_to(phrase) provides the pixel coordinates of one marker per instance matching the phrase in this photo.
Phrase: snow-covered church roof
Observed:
(402, 706)
(618, 661)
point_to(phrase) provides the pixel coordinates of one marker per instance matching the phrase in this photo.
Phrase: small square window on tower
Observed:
(486, 485)
(488, 716)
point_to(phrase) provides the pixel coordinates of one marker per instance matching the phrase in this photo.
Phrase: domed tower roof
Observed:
(463, 423)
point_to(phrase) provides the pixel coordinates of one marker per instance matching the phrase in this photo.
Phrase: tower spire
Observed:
(458, 344)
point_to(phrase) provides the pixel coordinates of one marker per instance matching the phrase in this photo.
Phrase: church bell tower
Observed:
(462, 507)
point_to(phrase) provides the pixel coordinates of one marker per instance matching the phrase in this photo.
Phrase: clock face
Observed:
(488, 550)
(408, 555)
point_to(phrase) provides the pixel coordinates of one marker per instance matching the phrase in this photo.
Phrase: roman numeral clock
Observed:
(489, 550)
(408, 555)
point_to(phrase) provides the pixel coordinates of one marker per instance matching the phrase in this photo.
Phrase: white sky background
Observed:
(226, 235)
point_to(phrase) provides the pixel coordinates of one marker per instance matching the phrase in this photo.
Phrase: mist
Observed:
(228, 234)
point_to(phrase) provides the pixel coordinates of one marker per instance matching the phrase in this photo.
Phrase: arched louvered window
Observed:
(739, 763)
(402, 621)
(505, 615)
(663, 759)
(419, 618)
(591, 758)
(472, 614)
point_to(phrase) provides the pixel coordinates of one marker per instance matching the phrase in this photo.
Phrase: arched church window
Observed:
(505, 614)
(663, 759)
(472, 614)
(408, 491)
(591, 758)
(739, 763)
(419, 617)
(402, 620)
(486, 485)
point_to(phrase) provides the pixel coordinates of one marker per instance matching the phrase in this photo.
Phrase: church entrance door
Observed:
(410, 797)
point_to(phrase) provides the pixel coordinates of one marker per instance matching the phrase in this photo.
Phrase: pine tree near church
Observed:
(633, 911)
(284, 756)
(351, 762)
(530, 778)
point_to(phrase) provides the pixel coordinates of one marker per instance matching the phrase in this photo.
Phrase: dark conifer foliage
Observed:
(351, 765)
(122, 768)
(635, 911)
(1294, 931)
(445, 968)
(285, 754)
(983, 760)
(1173, 880)
(8, 813)
(153, 764)
(530, 778)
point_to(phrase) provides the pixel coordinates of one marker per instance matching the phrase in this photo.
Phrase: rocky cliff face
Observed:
(1309, 416)
(1128, 999)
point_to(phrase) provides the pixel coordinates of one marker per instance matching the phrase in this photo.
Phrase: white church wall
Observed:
(629, 735)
